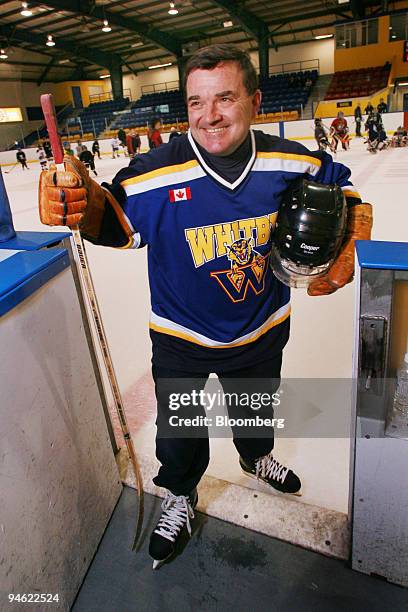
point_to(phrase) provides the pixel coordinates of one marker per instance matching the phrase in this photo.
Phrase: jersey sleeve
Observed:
(333, 172)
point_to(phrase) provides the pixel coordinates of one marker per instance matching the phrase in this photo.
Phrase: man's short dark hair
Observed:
(209, 57)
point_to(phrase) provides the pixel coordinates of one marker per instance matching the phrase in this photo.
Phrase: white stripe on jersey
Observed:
(165, 180)
(280, 164)
(163, 325)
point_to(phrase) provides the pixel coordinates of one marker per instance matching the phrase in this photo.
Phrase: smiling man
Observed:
(206, 205)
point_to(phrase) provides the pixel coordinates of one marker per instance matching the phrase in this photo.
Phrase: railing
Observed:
(159, 87)
(313, 64)
(107, 96)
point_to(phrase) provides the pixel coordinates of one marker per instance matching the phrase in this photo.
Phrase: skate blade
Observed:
(157, 563)
(270, 487)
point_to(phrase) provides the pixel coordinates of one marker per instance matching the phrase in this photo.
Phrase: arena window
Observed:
(356, 34)
(398, 27)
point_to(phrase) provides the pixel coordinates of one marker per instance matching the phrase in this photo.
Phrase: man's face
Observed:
(220, 110)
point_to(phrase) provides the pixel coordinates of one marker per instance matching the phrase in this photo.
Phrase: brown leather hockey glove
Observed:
(359, 224)
(72, 197)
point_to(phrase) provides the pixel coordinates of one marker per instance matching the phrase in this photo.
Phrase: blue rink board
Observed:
(382, 255)
(33, 241)
(25, 272)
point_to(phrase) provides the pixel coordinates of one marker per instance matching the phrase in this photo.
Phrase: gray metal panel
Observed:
(380, 521)
(379, 480)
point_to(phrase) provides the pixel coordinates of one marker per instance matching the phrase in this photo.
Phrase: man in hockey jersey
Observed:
(339, 132)
(205, 205)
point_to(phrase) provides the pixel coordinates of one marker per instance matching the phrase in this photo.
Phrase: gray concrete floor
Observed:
(222, 568)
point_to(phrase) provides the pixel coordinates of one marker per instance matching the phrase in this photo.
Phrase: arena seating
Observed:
(169, 106)
(97, 112)
(359, 82)
(287, 91)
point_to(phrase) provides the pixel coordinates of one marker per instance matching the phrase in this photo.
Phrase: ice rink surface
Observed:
(322, 328)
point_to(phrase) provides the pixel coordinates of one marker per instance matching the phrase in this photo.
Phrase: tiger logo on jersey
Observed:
(240, 254)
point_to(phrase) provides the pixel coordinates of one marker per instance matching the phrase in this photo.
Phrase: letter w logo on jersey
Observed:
(237, 282)
(177, 195)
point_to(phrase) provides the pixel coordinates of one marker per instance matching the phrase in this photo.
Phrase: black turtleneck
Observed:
(229, 167)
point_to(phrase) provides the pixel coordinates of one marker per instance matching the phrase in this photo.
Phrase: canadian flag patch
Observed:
(177, 195)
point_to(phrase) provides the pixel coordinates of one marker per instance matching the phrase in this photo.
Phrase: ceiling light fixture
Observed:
(227, 24)
(321, 36)
(64, 61)
(137, 44)
(160, 66)
(106, 26)
(172, 10)
(50, 42)
(104, 76)
(3, 54)
(402, 84)
(25, 11)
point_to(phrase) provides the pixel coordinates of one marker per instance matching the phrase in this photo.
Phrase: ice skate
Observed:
(175, 518)
(273, 473)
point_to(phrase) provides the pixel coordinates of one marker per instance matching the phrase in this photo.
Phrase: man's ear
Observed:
(256, 102)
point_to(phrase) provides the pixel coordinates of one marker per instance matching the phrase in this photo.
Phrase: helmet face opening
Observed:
(309, 231)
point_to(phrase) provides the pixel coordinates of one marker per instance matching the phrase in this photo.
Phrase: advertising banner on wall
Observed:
(9, 115)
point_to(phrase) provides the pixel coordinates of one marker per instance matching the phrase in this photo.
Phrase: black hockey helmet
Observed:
(309, 231)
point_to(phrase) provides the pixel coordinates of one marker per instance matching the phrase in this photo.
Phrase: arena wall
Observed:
(294, 130)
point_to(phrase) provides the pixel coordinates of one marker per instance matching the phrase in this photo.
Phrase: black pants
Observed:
(184, 460)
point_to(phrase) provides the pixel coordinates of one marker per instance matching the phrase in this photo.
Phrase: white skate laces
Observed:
(268, 467)
(177, 512)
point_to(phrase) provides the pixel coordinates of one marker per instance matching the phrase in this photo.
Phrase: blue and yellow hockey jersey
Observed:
(209, 240)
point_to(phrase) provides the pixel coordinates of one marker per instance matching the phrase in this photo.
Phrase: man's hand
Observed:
(71, 197)
(359, 224)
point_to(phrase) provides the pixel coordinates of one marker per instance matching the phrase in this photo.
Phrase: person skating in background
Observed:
(47, 150)
(358, 118)
(382, 106)
(173, 133)
(154, 137)
(115, 147)
(68, 149)
(96, 149)
(122, 140)
(88, 159)
(368, 109)
(42, 158)
(339, 132)
(320, 134)
(21, 157)
(377, 137)
(78, 149)
(133, 143)
(400, 137)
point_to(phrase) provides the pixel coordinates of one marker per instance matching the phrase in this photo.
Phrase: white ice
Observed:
(322, 328)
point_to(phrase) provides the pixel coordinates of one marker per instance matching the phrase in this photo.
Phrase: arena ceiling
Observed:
(144, 34)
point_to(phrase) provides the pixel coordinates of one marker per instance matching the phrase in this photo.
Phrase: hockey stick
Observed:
(47, 105)
(11, 169)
